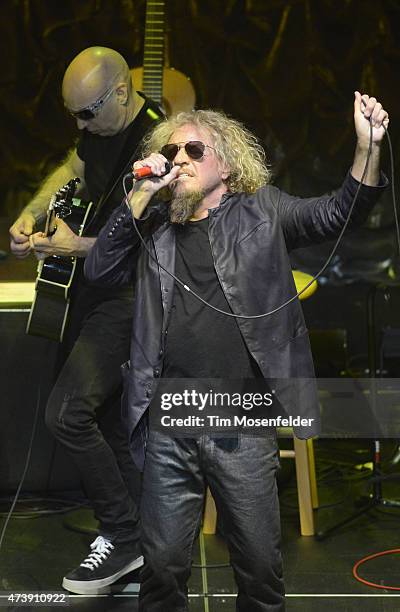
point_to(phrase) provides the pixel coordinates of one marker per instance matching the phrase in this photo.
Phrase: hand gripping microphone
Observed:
(146, 172)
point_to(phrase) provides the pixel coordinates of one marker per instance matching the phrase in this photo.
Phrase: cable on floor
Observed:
(369, 558)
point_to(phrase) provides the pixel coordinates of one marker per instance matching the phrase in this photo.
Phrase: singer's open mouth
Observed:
(181, 177)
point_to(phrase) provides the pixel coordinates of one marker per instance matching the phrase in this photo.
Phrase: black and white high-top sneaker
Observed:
(106, 563)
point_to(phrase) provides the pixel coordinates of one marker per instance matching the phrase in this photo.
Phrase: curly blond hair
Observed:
(236, 147)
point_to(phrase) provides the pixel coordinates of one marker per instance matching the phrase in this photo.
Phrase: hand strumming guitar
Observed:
(63, 242)
(20, 232)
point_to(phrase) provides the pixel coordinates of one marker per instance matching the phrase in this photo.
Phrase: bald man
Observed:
(83, 410)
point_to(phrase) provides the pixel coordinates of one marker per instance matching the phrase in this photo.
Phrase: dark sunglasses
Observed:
(92, 110)
(194, 149)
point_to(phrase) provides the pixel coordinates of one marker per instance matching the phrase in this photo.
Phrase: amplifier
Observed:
(26, 376)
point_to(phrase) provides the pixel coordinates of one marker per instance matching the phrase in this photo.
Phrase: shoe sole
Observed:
(95, 587)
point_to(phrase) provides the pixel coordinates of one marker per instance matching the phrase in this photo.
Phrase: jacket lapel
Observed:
(164, 246)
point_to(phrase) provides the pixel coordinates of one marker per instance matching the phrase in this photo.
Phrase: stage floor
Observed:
(37, 552)
(318, 574)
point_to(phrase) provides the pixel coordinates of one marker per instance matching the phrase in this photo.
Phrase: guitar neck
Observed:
(48, 217)
(154, 50)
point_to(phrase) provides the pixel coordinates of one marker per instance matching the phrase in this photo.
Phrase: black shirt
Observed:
(202, 343)
(108, 158)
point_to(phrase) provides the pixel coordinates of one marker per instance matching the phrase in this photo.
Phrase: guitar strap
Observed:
(127, 157)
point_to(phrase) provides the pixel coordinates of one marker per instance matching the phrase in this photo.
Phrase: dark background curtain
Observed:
(287, 69)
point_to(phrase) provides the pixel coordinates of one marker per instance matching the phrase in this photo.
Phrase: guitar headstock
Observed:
(61, 203)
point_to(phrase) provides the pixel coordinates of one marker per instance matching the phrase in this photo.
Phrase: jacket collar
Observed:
(224, 202)
(162, 208)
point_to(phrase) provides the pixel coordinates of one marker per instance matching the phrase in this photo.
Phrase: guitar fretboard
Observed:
(154, 50)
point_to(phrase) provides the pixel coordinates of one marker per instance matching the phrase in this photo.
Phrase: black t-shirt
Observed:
(202, 343)
(106, 157)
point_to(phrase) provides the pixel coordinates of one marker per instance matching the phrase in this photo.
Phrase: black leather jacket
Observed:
(250, 237)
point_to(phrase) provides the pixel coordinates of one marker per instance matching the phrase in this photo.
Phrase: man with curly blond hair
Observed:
(225, 233)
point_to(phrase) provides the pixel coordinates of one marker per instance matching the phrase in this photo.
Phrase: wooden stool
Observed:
(303, 454)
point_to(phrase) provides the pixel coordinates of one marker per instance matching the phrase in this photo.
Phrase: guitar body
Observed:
(50, 306)
(177, 90)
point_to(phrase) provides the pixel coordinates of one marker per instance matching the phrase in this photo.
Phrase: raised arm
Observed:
(307, 221)
(368, 111)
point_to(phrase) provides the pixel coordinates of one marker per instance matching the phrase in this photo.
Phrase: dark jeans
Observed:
(84, 411)
(243, 484)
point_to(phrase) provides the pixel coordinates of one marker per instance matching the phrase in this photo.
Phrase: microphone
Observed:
(146, 172)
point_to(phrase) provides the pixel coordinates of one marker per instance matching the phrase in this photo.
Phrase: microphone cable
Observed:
(325, 265)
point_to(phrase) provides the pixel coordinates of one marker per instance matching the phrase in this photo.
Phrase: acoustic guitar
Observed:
(168, 87)
(49, 310)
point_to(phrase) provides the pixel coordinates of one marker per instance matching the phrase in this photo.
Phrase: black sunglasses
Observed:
(92, 110)
(194, 149)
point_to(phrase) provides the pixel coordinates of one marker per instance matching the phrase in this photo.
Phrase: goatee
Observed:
(183, 206)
